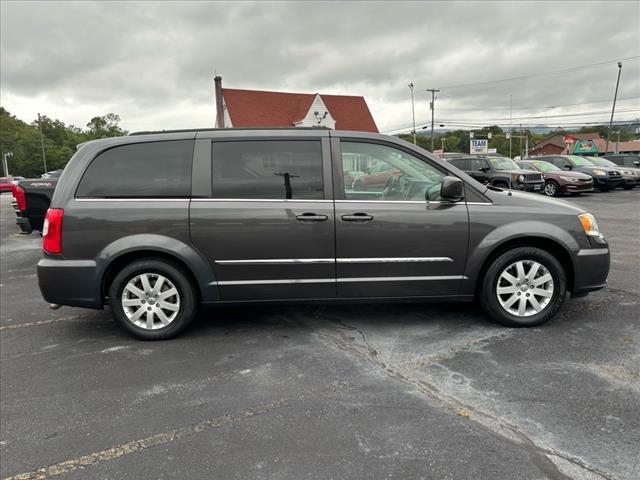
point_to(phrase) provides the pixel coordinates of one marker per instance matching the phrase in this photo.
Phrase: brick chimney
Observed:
(217, 81)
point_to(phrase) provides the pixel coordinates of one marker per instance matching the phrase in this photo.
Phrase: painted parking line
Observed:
(42, 322)
(135, 446)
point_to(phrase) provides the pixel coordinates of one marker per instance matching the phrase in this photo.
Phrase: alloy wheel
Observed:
(525, 288)
(550, 189)
(150, 301)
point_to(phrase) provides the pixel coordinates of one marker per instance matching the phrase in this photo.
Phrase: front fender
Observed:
(186, 254)
(481, 247)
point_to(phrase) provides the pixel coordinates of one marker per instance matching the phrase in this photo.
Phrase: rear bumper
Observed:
(591, 269)
(70, 282)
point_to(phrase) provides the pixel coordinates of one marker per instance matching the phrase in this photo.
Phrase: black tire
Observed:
(489, 299)
(604, 189)
(187, 297)
(503, 185)
(552, 189)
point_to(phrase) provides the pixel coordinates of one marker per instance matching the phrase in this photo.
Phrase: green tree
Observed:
(60, 141)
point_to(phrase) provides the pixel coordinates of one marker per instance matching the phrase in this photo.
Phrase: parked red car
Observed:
(7, 183)
(558, 181)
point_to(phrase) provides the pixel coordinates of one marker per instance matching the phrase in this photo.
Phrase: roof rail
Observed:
(153, 132)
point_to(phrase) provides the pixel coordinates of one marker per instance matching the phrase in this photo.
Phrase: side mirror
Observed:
(567, 167)
(636, 163)
(484, 169)
(451, 189)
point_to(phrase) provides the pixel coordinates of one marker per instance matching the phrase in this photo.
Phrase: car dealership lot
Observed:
(375, 391)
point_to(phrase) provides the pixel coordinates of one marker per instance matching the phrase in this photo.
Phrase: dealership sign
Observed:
(585, 146)
(478, 146)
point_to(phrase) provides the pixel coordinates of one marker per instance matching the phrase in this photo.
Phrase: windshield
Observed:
(580, 161)
(546, 167)
(603, 162)
(500, 163)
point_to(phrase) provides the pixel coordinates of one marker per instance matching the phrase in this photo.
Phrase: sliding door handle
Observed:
(357, 217)
(311, 217)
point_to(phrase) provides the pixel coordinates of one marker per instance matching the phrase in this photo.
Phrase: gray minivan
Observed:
(158, 223)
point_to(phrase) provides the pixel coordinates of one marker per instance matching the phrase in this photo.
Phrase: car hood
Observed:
(568, 173)
(534, 201)
(516, 171)
(588, 168)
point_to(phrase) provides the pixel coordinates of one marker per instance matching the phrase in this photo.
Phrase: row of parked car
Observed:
(553, 175)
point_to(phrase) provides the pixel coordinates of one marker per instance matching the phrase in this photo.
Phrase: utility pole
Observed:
(510, 117)
(413, 113)
(613, 109)
(44, 157)
(520, 149)
(432, 105)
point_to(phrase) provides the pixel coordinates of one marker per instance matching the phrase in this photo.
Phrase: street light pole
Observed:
(44, 157)
(413, 113)
(432, 105)
(613, 109)
(5, 163)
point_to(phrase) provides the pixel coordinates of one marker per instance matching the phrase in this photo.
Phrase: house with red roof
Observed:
(255, 108)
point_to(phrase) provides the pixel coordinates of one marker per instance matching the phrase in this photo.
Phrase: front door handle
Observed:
(357, 217)
(311, 217)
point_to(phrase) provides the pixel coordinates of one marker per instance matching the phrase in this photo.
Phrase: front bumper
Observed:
(75, 283)
(537, 187)
(607, 182)
(577, 187)
(591, 267)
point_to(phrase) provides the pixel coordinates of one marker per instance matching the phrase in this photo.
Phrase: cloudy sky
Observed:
(153, 62)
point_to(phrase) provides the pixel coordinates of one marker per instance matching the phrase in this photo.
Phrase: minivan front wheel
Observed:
(152, 299)
(523, 287)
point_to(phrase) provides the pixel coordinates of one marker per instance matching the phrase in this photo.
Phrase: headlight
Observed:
(600, 173)
(521, 178)
(568, 179)
(589, 224)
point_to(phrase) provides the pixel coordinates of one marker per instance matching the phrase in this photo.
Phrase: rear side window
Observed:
(269, 169)
(461, 163)
(140, 170)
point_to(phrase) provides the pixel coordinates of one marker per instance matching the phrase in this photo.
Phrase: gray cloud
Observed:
(153, 63)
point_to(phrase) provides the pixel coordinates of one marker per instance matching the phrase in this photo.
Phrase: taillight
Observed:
(21, 199)
(52, 231)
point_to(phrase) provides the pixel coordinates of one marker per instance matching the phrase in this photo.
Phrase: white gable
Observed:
(317, 116)
(227, 118)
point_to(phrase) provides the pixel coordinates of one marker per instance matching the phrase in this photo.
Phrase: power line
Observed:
(530, 107)
(529, 125)
(583, 114)
(541, 74)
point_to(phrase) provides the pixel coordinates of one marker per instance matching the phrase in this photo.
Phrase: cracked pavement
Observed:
(407, 391)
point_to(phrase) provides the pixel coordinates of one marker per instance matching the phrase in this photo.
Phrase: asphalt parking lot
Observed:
(420, 391)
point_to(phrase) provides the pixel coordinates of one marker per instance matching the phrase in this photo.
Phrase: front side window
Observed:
(386, 173)
(478, 164)
(140, 170)
(267, 169)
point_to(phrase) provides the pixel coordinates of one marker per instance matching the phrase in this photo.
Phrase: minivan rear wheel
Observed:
(152, 299)
(523, 287)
